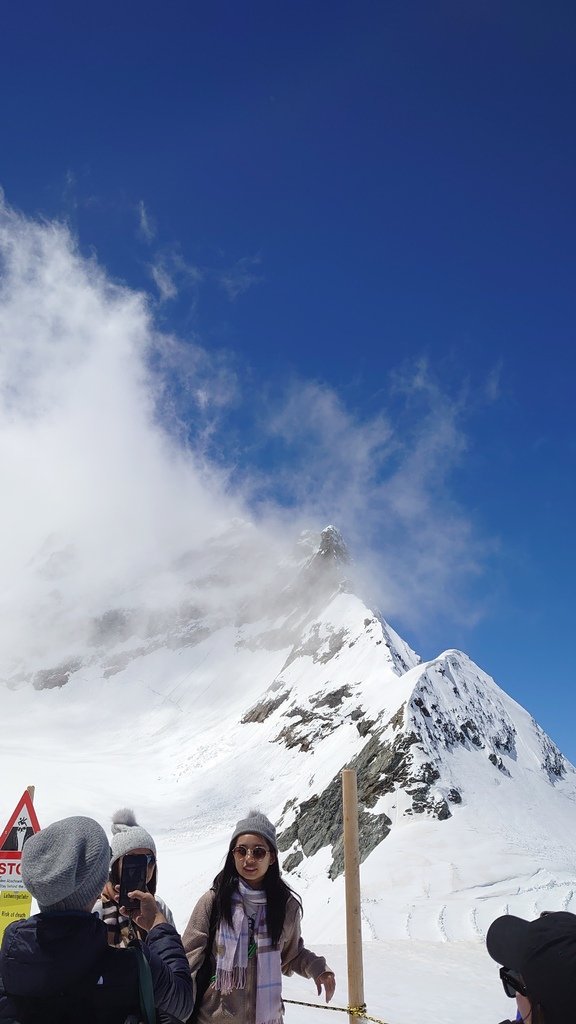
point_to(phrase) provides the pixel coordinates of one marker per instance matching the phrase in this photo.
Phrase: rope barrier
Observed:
(354, 1011)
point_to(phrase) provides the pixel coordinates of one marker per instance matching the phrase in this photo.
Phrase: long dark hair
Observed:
(537, 1016)
(277, 894)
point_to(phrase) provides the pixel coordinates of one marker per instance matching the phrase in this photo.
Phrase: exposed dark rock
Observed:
(499, 764)
(454, 796)
(260, 712)
(291, 737)
(441, 810)
(380, 768)
(335, 645)
(314, 644)
(119, 663)
(320, 824)
(305, 716)
(420, 704)
(470, 730)
(422, 801)
(397, 720)
(427, 773)
(333, 699)
(310, 728)
(505, 739)
(553, 762)
(49, 678)
(189, 637)
(112, 627)
(365, 725)
(372, 829)
(289, 836)
(292, 861)
(332, 547)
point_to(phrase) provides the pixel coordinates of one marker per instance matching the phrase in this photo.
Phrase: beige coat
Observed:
(241, 1003)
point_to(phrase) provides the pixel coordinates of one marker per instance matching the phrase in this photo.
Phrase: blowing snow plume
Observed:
(109, 511)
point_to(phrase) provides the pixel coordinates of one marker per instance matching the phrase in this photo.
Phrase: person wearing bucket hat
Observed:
(128, 837)
(538, 964)
(245, 933)
(57, 966)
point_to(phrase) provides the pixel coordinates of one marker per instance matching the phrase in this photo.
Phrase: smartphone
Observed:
(134, 870)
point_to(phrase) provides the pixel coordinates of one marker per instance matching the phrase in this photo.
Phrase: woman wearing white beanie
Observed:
(128, 837)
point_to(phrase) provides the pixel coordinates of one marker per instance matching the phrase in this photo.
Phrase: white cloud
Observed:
(89, 478)
(118, 447)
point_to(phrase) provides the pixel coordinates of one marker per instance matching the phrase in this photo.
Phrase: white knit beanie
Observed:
(128, 835)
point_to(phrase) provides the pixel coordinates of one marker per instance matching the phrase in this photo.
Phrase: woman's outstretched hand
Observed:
(327, 980)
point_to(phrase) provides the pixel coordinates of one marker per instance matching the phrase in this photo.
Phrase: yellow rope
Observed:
(354, 1011)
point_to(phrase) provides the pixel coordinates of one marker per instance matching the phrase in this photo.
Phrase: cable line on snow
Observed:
(353, 1011)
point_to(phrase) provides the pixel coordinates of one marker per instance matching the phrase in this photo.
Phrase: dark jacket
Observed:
(60, 968)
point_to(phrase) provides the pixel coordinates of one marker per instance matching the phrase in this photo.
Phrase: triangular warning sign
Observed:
(22, 824)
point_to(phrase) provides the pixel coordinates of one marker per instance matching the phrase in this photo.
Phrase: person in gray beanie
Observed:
(65, 865)
(244, 934)
(128, 837)
(57, 967)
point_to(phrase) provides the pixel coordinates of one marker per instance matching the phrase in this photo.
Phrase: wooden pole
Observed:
(352, 885)
(31, 790)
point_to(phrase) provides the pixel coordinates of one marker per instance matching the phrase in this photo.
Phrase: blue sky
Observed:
(373, 205)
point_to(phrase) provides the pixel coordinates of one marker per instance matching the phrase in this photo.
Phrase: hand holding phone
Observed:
(149, 914)
(133, 876)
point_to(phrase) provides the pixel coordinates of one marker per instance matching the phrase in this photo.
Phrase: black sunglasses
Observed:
(258, 852)
(512, 982)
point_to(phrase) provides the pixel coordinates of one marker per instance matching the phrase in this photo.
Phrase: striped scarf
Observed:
(121, 930)
(232, 956)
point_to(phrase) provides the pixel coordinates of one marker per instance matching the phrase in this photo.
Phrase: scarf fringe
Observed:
(226, 981)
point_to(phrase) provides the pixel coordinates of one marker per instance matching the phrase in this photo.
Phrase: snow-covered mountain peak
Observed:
(253, 673)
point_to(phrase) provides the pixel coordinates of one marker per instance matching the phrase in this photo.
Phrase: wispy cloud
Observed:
(385, 480)
(493, 388)
(239, 277)
(146, 226)
(173, 274)
(163, 281)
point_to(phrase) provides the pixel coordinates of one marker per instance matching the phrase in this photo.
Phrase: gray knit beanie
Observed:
(128, 835)
(65, 865)
(258, 824)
